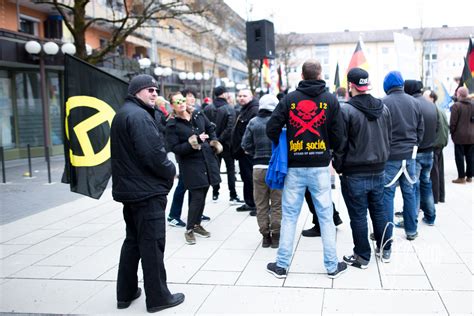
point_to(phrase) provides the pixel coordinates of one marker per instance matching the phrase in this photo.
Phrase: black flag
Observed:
(92, 98)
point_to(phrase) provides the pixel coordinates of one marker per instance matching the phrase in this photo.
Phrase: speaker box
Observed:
(260, 39)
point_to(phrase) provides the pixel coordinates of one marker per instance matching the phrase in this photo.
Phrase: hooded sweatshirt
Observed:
(369, 131)
(428, 111)
(407, 121)
(314, 125)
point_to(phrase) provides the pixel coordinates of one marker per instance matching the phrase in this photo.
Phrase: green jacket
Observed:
(442, 134)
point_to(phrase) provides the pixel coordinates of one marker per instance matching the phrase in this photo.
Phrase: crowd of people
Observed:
(287, 149)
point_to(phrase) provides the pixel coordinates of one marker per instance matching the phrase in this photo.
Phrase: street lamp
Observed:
(162, 73)
(50, 48)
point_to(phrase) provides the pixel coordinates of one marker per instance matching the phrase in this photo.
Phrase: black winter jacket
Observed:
(199, 168)
(140, 167)
(255, 141)
(407, 123)
(223, 115)
(248, 112)
(369, 131)
(314, 125)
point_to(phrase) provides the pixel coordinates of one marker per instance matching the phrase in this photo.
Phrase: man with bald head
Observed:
(315, 126)
(248, 111)
(462, 134)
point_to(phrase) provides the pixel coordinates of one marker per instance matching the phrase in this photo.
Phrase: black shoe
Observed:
(312, 232)
(236, 201)
(399, 214)
(278, 272)
(337, 220)
(372, 236)
(356, 261)
(205, 218)
(215, 197)
(175, 299)
(126, 304)
(245, 208)
(275, 240)
(413, 236)
(266, 241)
(253, 213)
(341, 268)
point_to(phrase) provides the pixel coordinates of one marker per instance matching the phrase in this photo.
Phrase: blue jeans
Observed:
(362, 192)
(318, 181)
(423, 188)
(410, 213)
(178, 199)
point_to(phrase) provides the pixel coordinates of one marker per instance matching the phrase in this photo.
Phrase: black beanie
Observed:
(412, 87)
(219, 91)
(141, 82)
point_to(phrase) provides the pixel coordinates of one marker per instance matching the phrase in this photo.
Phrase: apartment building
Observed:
(439, 53)
(171, 51)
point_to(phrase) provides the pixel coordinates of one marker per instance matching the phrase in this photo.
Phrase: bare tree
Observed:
(285, 44)
(127, 17)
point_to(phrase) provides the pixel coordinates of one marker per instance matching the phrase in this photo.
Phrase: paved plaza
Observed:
(62, 259)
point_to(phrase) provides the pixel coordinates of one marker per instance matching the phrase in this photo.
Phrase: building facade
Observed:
(27, 115)
(439, 54)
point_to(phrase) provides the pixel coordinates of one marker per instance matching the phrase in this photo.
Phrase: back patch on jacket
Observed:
(306, 117)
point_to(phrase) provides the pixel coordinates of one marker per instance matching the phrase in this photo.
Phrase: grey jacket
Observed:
(407, 123)
(255, 140)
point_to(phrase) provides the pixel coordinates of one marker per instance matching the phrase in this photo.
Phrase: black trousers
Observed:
(145, 240)
(437, 175)
(230, 169)
(312, 209)
(246, 171)
(197, 201)
(461, 152)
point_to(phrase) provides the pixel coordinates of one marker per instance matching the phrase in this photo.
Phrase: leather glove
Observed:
(193, 141)
(216, 146)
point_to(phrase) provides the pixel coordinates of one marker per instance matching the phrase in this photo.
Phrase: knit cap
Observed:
(141, 82)
(268, 102)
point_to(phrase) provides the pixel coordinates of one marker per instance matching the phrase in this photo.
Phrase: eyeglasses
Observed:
(179, 101)
(151, 90)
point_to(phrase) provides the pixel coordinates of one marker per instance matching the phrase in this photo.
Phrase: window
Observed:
(171, 29)
(29, 25)
(102, 42)
(173, 62)
(7, 127)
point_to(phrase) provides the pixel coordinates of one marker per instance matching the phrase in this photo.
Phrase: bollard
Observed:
(48, 163)
(29, 160)
(4, 179)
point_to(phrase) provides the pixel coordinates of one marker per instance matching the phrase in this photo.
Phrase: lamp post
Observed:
(162, 73)
(34, 48)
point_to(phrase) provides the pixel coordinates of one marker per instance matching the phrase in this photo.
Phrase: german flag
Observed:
(468, 69)
(358, 60)
(92, 97)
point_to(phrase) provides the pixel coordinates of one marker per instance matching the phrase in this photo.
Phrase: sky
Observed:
(313, 16)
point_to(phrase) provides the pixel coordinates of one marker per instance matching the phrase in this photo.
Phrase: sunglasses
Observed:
(179, 101)
(151, 90)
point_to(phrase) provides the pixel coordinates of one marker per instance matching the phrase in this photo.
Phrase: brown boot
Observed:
(469, 180)
(275, 240)
(459, 181)
(266, 241)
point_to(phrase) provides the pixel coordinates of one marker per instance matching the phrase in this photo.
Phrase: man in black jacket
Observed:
(223, 115)
(366, 149)
(248, 111)
(424, 156)
(142, 176)
(314, 126)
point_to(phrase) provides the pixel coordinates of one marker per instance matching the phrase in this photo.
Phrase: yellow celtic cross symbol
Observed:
(105, 113)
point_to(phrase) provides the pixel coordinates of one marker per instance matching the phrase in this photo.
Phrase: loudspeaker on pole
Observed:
(260, 39)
